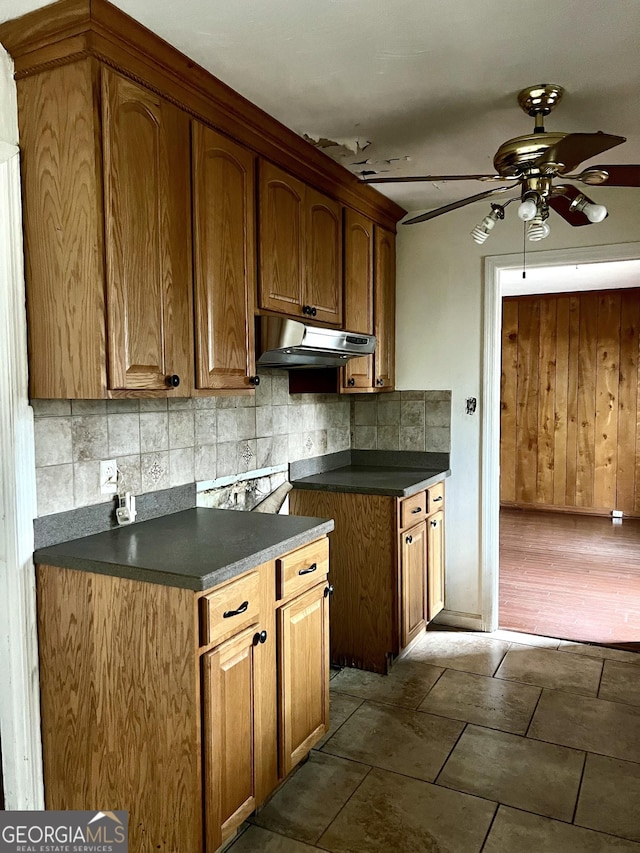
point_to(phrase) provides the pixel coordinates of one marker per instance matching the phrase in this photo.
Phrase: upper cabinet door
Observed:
(281, 241)
(385, 308)
(358, 272)
(358, 295)
(323, 255)
(224, 260)
(148, 245)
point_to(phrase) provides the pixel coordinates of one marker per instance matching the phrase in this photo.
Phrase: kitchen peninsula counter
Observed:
(194, 549)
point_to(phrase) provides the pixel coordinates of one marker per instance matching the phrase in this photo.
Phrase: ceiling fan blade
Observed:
(456, 204)
(611, 176)
(434, 178)
(561, 203)
(572, 149)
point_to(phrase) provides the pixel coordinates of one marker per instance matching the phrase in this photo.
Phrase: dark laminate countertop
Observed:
(194, 549)
(373, 480)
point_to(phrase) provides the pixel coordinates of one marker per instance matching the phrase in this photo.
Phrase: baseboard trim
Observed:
(458, 619)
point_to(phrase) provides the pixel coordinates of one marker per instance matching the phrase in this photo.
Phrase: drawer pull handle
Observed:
(416, 510)
(242, 609)
(308, 571)
(328, 590)
(436, 500)
(434, 523)
(408, 540)
(259, 637)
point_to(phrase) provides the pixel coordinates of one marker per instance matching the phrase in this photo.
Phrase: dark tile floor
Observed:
(474, 742)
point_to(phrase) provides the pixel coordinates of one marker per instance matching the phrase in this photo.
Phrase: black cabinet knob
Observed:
(351, 382)
(328, 590)
(259, 637)
(254, 380)
(306, 309)
(314, 311)
(172, 381)
(379, 382)
(434, 523)
(408, 540)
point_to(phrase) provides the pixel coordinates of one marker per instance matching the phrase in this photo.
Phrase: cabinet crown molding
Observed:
(72, 29)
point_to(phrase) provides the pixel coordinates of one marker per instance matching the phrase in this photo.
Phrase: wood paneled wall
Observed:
(570, 408)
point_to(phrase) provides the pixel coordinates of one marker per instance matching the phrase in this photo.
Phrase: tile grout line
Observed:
(348, 800)
(575, 808)
(488, 833)
(444, 763)
(526, 734)
(600, 679)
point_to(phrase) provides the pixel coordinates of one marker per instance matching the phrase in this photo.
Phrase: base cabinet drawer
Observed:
(302, 569)
(229, 608)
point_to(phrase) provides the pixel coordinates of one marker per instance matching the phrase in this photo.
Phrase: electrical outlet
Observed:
(108, 477)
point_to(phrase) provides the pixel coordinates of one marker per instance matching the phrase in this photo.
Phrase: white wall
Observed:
(439, 346)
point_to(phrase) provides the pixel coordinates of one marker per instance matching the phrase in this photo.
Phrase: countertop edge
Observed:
(197, 584)
(418, 486)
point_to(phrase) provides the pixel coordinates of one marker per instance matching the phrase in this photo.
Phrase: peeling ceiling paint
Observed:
(430, 84)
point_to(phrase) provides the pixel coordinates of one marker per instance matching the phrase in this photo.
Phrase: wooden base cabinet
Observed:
(387, 568)
(303, 648)
(185, 709)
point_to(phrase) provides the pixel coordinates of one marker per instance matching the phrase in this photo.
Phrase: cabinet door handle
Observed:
(314, 311)
(172, 381)
(408, 540)
(351, 382)
(306, 309)
(434, 523)
(379, 382)
(254, 380)
(259, 637)
(437, 500)
(242, 609)
(416, 510)
(308, 571)
(328, 590)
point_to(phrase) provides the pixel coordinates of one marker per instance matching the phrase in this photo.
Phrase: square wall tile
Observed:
(124, 434)
(181, 466)
(389, 437)
(154, 431)
(90, 437)
(154, 468)
(181, 429)
(86, 484)
(50, 408)
(53, 441)
(205, 457)
(123, 407)
(364, 437)
(412, 438)
(54, 486)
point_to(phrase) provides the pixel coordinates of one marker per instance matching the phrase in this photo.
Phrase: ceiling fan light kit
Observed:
(531, 163)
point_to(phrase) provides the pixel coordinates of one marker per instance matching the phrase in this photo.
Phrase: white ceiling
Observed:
(430, 84)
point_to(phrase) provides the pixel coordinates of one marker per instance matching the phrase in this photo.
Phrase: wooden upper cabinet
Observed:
(358, 295)
(147, 236)
(281, 248)
(300, 249)
(63, 232)
(385, 308)
(224, 260)
(323, 257)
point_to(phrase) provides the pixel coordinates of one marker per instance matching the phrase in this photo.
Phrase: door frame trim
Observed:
(494, 267)
(19, 683)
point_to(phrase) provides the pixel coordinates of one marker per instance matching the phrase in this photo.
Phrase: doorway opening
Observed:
(567, 570)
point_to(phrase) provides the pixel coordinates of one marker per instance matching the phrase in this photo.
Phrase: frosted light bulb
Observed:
(538, 229)
(483, 229)
(527, 210)
(595, 212)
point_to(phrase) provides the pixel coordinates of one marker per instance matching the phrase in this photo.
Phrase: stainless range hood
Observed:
(290, 344)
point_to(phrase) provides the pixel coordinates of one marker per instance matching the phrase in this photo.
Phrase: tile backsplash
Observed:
(159, 444)
(402, 420)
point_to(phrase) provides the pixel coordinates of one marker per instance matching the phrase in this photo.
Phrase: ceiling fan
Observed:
(531, 164)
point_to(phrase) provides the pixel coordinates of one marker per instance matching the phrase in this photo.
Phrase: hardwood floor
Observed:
(576, 577)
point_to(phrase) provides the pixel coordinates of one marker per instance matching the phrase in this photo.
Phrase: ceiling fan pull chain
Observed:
(524, 250)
